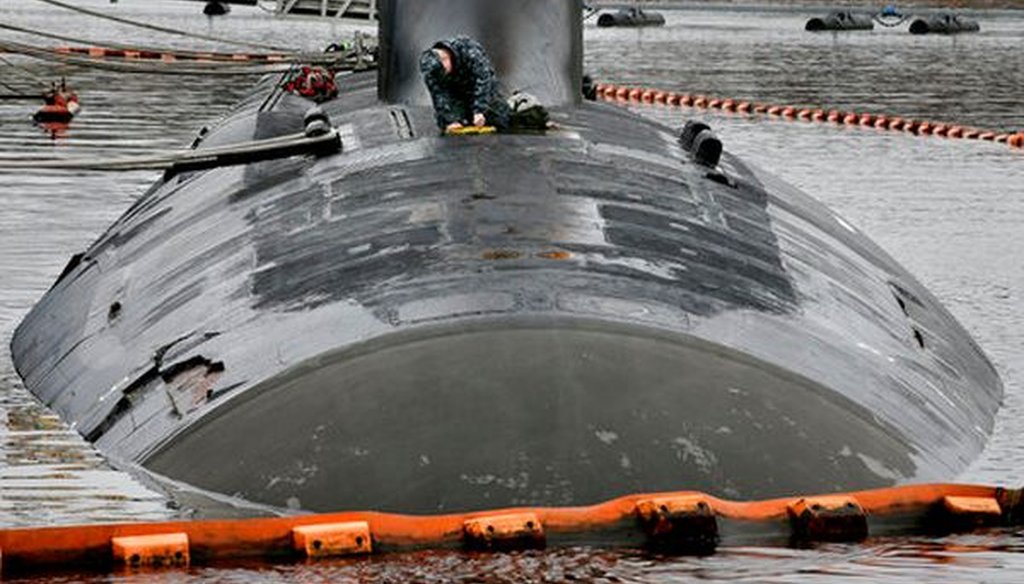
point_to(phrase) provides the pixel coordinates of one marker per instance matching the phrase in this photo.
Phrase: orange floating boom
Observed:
(164, 55)
(868, 120)
(659, 518)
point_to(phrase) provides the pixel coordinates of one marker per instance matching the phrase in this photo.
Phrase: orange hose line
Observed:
(116, 53)
(868, 120)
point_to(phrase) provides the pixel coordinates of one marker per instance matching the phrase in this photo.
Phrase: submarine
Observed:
(421, 323)
(944, 23)
(216, 8)
(630, 17)
(840, 20)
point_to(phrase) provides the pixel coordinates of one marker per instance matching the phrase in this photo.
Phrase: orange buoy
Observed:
(700, 101)
(60, 106)
(686, 99)
(672, 99)
(940, 130)
(775, 110)
(851, 119)
(866, 120)
(1016, 140)
(659, 97)
(789, 112)
(647, 96)
(760, 108)
(955, 132)
(634, 94)
(729, 105)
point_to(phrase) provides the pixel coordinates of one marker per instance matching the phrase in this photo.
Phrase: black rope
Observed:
(278, 88)
(10, 87)
(243, 153)
(164, 29)
(25, 72)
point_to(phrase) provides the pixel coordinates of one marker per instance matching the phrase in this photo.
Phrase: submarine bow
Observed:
(421, 323)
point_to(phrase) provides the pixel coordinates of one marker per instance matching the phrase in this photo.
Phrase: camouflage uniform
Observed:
(470, 88)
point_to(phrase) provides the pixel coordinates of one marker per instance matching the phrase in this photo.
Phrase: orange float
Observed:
(684, 520)
(881, 122)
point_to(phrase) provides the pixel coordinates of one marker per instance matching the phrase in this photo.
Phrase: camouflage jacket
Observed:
(471, 87)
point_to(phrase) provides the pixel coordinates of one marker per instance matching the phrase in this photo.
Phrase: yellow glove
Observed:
(471, 131)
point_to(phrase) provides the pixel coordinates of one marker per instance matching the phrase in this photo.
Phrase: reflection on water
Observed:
(49, 475)
(996, 557)
(950, 211)
(768, 57)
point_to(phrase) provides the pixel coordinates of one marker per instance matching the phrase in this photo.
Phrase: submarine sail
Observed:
(422, 323)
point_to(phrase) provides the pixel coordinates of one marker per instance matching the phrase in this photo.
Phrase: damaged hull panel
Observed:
(420, 324)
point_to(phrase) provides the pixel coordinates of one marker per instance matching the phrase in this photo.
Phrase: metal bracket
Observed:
(683, 523)
(837, 518)
(162, 549)
(333, 539)
(512, 531)
(967, 513)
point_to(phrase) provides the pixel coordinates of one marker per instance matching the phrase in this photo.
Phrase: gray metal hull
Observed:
(424, 323)
(535, 412)
(840, 20)
(944, 24)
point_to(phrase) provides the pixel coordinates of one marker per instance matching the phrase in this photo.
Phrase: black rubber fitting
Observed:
(707, 149)
(316, 122)
(689, 133)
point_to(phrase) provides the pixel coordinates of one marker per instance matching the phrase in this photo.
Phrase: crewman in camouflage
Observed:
(463, 85)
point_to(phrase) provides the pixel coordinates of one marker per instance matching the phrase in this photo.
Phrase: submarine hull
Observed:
(840, 21)
(422, 323)
(533, 411)
(425, 323)
(944, 24)
(626, 18)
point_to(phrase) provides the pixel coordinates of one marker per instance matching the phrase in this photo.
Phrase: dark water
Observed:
(951, 211)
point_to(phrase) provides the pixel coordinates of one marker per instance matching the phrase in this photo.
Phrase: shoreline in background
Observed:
(823, 5)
